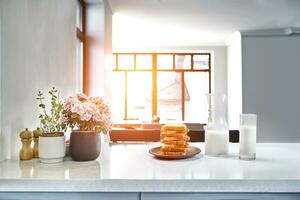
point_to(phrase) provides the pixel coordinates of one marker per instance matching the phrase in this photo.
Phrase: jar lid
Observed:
(37, 132)
(26, 134)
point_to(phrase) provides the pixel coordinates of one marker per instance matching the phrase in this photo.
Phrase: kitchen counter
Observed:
(130, 168)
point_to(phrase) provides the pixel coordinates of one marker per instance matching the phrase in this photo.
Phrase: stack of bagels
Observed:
(175, 139)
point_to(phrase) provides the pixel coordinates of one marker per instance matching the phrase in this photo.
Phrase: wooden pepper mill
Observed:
(36, 135)
(26, 139)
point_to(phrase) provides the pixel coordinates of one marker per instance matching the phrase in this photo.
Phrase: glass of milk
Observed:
(248, 124)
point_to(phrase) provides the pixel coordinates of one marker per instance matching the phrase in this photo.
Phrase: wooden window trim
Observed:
(154, 71)
(81, 35)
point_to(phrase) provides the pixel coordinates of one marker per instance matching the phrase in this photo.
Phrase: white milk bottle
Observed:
(217, 131)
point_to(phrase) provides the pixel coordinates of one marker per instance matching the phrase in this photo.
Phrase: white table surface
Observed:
(130, 168)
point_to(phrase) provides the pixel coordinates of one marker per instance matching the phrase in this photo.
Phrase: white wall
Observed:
(271, 68)
(1, 137)
(234, 79)
(38, 51)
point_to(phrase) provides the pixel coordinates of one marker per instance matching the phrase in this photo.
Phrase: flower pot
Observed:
(84, 145)
(52, 147)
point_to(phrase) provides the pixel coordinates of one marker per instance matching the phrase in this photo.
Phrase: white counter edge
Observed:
(245, 186)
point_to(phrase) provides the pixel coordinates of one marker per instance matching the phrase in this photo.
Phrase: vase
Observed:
(217, 130)
(84, 145)
(52, 147)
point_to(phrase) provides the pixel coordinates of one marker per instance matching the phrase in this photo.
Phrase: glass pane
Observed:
(183, 61)
(144, 61)
(197, 84)
(79, 64)
(118, 96)
(79, 16)
(114, 62)
(169, 96)
(126, 61)
(201, 61)
(140, 95)
(164, 61)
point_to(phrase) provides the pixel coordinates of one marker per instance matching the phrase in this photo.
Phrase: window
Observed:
(80, 33)
(169, 85)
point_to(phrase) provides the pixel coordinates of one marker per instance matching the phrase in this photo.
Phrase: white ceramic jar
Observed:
(52, 147)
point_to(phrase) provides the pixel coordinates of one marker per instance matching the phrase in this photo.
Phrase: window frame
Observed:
(81, 33)
(155, 70)
(81, 36)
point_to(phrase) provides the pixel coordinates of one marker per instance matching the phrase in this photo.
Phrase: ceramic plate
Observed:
(191, 151)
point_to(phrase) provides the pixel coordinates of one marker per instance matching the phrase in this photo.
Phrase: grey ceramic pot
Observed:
(84, 145)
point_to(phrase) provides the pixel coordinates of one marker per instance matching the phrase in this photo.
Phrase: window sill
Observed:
(196, 134)
(133, 124)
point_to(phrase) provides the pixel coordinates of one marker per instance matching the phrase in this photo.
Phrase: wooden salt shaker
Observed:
(26, 139)
(36, 135)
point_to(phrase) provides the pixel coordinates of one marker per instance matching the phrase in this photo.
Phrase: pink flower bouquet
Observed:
(86, 113)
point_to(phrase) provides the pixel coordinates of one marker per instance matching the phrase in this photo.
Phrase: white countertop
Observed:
(130, 168)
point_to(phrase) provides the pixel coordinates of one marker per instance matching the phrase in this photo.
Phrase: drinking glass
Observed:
(248, 124)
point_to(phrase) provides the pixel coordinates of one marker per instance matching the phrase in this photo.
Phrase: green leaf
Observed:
(59, 106)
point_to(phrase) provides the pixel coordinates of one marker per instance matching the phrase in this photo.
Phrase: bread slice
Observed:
(176, 146)
(174, 127)
(174, 153)
(178, 136)
(169, 132)
(172, 149)
(165, 139)
(170, 142)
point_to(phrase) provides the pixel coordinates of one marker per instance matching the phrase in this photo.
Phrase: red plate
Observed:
(191, 151)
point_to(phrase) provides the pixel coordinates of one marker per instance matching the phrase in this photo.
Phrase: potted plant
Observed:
(87, 117)
(52, 140)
